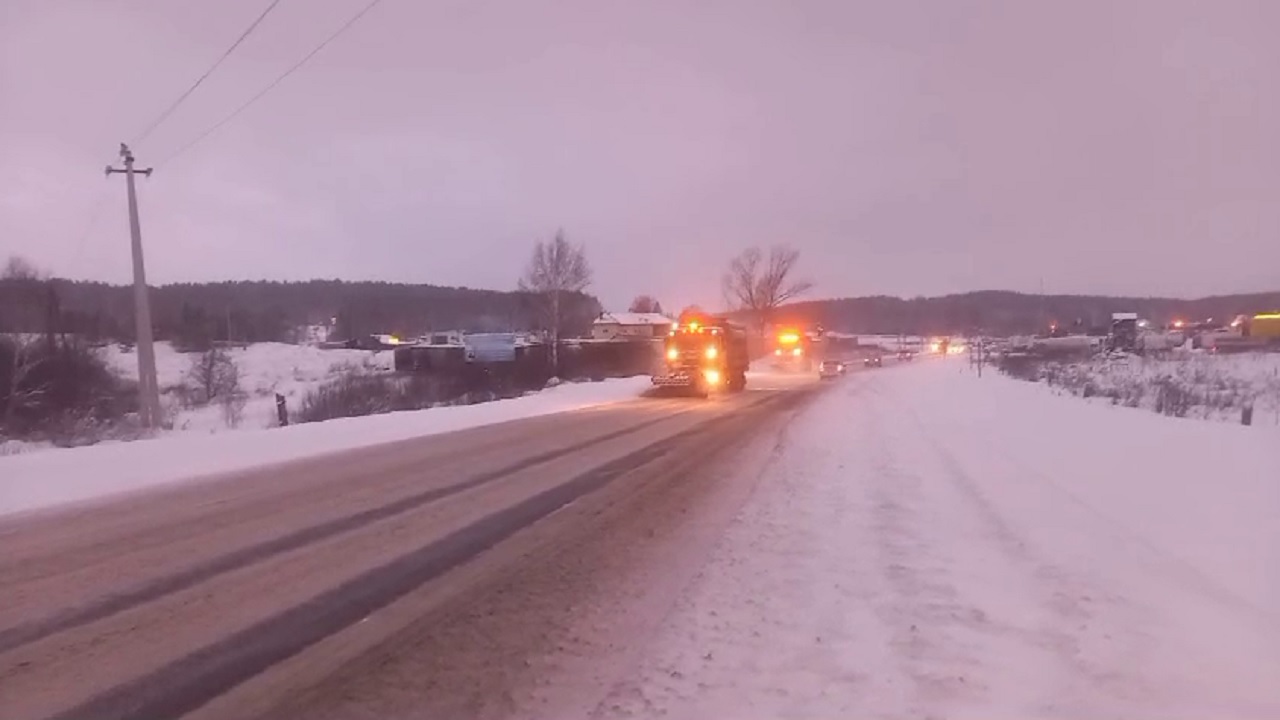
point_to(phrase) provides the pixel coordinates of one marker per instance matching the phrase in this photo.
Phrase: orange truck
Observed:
(793, 350)
(702, 354)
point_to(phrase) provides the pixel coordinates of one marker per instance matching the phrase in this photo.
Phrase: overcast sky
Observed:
(907, 148)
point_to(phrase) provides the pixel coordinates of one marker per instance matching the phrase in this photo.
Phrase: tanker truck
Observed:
(704, 354)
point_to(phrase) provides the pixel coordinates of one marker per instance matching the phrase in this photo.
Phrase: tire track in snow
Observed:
(921, 605)
(1120, 641)
(190, 576)
(720, 649)
(1014, 603)
(1067, 605)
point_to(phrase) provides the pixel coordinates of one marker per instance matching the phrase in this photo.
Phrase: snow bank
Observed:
(40, 479)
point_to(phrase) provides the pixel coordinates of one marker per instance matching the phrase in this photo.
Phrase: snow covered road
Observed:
(927, 544)
(911, 542)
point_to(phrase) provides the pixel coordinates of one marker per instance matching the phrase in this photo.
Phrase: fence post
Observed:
(1246, 415)
(282, 411)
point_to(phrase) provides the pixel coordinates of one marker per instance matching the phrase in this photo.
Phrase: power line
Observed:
(96, 212)
(181, 98)
(218, 125)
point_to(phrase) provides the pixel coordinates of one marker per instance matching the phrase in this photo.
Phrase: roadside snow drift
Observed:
(40, 479)
(930, 544)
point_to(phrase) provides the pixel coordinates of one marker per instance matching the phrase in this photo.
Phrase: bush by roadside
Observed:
(356, 393)
(1199, 386)
(60, 391)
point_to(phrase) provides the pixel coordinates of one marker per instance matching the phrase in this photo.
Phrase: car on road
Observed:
(873, 361)
(830, 369)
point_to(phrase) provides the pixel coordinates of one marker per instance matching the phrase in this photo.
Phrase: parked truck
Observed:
(1265, 326)
(702, 354)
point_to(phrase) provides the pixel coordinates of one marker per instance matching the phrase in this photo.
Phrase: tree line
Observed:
(1010, 313)
(266, 311)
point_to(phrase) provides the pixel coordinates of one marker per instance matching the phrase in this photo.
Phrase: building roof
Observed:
(633, 319)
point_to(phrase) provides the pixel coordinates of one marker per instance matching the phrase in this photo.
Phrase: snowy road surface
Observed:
(931, 545)
(909, 542)
(36, 480)
(159, 603)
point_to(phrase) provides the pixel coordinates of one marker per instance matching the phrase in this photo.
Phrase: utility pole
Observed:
(148, 387)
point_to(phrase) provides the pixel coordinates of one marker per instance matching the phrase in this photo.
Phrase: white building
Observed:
(629, 326)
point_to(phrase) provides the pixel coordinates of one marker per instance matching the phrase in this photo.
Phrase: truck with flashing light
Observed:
(793, 350)
(702, 354)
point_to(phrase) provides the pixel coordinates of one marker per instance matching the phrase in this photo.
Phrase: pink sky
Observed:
(906, 147)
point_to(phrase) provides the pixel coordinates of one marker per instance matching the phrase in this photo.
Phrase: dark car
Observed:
(874, 361)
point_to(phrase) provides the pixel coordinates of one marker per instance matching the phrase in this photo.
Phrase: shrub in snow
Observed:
(1192, 385)
(233, 404)
(213, 373)
(357, 393)
(55, 389)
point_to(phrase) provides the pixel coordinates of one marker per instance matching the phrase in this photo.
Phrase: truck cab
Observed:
(703, 354)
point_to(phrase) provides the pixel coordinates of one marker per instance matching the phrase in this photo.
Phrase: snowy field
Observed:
(35, 480)
(1197, 385)
(265, 369)
(928, 544)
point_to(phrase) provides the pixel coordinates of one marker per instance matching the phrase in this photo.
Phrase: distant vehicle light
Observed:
(712, 352)
(672, 354)
(778, 351)
(797, 352)
(712, 376)
(789, 338)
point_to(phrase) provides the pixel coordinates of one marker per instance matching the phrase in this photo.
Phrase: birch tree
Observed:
(557, 270)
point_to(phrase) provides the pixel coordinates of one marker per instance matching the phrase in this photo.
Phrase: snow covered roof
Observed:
(633, 319)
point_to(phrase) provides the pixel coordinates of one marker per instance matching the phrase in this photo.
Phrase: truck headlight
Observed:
(712, 352)
(712, 376)
(673, 354)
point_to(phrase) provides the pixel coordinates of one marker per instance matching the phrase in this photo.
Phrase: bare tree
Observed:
(214, 373)
(20, 394)
(20, 268)
(645, 304)
(758, 285)
(557, 270)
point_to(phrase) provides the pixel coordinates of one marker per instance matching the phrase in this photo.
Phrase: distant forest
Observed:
(256, 311)
(275, 311)
(996, 312)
